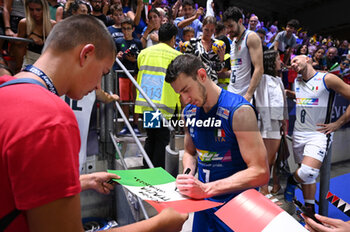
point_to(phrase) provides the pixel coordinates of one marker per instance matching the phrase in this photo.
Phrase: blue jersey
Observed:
(217, 147)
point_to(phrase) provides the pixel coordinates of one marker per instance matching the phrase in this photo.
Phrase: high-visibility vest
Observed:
(153, 63)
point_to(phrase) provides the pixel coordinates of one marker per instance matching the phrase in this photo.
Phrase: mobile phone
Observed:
(306, 211)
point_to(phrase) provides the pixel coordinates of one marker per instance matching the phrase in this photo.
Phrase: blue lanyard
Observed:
(43, 76)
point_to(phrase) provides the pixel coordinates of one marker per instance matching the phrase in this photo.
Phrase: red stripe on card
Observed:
(249, 211)
(184, 206)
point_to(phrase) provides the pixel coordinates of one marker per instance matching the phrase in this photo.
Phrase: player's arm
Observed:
(64, 215)
(338, 85)
(253, 152)
(335, 83)
(256, 55)
(189, 159)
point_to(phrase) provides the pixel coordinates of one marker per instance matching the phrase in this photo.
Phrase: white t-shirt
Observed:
(82, 109)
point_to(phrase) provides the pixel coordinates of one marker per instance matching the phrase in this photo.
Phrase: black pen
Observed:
(188, 170)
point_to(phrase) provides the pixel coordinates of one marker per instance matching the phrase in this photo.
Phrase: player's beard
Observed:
(203, 93)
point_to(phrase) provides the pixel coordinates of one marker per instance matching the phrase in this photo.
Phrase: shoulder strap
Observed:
(22, 81)
(7, 219)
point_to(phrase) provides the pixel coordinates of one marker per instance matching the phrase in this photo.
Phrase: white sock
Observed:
(309, 201)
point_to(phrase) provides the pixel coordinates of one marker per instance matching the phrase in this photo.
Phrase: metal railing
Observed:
(108, 128)
(127, 123)
(126, 167)
(12, 38)
(149, 101)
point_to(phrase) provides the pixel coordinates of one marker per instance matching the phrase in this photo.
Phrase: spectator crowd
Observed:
(247, 55)
(25, 19)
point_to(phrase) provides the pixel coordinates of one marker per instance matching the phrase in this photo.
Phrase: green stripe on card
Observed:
(143, 177)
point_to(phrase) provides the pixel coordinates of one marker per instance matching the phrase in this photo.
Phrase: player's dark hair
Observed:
(233, 13)
(187, 64)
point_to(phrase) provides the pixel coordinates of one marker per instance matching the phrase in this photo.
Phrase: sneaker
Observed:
(124, 131)
(136, 130)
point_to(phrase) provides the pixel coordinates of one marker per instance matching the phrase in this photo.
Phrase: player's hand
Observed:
(247, 97)
(170, 220)
(328, 128)
(190, 186)
(329, 224)
(98, 181)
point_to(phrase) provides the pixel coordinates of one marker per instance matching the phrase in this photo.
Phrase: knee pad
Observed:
(308, 174)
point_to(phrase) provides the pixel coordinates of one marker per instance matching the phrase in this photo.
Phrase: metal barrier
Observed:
(11, 38)
(107, 129)
(171, 153)
(127, 123)
(126, 167)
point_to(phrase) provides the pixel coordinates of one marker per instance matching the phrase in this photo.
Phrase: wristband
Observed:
(7, 28)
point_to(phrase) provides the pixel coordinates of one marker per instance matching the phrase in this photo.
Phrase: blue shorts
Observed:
(207, 221)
